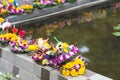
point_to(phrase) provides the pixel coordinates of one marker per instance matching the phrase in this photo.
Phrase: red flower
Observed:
(22, 33)
(14, 30)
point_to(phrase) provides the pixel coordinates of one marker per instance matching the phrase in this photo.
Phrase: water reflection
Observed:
(102, 48)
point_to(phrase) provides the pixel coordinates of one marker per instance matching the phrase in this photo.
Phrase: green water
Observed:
(104, 54)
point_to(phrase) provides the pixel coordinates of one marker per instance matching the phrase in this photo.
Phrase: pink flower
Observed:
(46, 2)
(77, 66)
(6, 24)
(1, 6)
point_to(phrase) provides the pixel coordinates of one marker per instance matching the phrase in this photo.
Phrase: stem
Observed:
(6, 30)
(56, 39)
(14, 26)
(2, 31)
(25, 2)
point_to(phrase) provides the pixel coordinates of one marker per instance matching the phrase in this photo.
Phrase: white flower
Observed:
(17, 76)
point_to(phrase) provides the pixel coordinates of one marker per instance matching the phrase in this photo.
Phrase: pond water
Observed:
(96, 36)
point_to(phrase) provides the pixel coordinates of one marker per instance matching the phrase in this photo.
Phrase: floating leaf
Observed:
(116, 33)
(117, 27)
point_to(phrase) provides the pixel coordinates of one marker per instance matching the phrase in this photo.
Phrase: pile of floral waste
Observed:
(61, 55)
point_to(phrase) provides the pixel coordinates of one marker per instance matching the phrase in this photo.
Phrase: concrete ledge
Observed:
(27, 69)
(5, 64)
(52, 11)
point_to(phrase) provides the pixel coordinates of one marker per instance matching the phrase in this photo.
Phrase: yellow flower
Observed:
(4, 2)
(79, 61)
(33, 47)
(54, 49)
(1, 20)
(30, 7)
(16, 43)
(18, 8)
(73, 73)
(81, 71)
(14, 38)
(46, 45)
(65, 50)
(59, 1)
(82, 64)
(3, 11)
(45, 61)
(1, 36)
(27, 7)
(11, 1)
(68, 65)
(38, 3)
(65, 72)
(65, 47)
(8, 36)
(24, 42)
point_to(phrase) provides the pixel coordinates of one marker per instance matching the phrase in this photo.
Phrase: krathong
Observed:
(37, 4)
(17, 43)
(5, 38)
(64, 53)
(73, 68)
(3, 12)
(14, 9)
(19, 46)
(28, 8)
(42, 54)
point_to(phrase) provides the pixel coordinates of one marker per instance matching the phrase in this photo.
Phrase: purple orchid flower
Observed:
(46, 2)
(67, 57)
(30, 42)
(1, 6)
(4, 39)
(14, 11)
(35, 58)
(71, 53)
(77, 66)
(61, 57)
(19, 49)
(11, 43)
(25, 46)
(75, 49)
(53, 61)
(14, 48)
(63, 1)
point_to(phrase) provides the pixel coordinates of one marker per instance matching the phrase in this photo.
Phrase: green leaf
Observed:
(117, 27)
(6, 76)
(116, 33)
